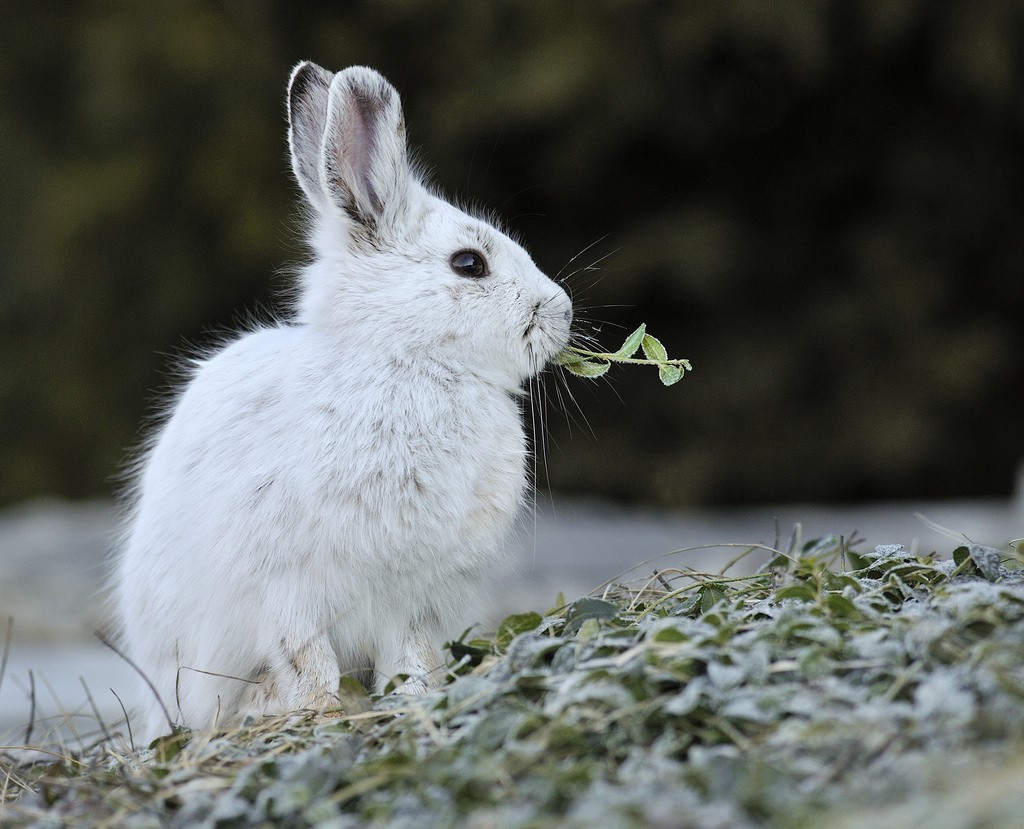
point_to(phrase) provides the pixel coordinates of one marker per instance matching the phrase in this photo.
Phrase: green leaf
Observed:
(960, 555)
(839, 605)
(590, 629)
(587, 608)
(855, 561)
(670, 635)
(800, 592)
(710, 595)
(653, 349)
(353, 698)
(560, 602)
(169, 746)
(670, 375)
(565, 357)
(396, 682)
(585, 368)
(781, 562)
(512, 626)
(632, 343)
(987, 560)
(474, 651)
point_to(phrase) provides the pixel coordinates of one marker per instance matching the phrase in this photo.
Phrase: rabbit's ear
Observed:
(365, 163)
(307, 117)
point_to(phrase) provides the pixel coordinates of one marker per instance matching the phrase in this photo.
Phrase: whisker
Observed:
(591, 268)
(574, 415)
(538, 440)
(585, 334)
(539, 400)
(577, 255)
(516, 195)
(494, 146)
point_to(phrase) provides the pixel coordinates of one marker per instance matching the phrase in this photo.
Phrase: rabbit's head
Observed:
(397, 264)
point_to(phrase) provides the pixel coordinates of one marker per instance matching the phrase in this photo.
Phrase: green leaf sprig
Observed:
(584, 363)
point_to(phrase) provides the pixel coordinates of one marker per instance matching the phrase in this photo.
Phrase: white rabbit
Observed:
(329, 493)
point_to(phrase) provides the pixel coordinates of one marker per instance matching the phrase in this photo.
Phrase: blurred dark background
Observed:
(820, 204)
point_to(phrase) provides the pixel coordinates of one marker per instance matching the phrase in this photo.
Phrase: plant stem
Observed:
(611, 358)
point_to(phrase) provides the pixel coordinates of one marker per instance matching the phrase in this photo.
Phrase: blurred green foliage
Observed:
(819, 203)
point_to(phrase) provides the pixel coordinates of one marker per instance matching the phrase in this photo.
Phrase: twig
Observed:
(795, 537)
(66, 714)
(127, 719)
(959, 538)
(7, 649)
(49, 752)
(32, 707)
(747, 548)
(140, 672)
(753, 548)
(662, 581)
(95, 709)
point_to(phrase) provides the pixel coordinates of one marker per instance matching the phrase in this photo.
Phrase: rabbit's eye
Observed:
(469, 263)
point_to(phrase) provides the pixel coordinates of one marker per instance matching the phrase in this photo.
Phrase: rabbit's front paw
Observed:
(416, 659)
(296, 678)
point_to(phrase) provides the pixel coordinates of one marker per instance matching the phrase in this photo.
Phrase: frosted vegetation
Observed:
(835, 685)
(585, 363)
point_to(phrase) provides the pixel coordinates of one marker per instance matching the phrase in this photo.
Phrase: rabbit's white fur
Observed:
(329, 494)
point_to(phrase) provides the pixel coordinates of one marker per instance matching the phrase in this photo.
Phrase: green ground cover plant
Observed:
(834, 687)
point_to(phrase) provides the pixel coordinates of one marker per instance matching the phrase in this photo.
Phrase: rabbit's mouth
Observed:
(547, 330)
